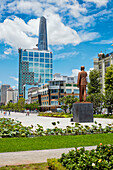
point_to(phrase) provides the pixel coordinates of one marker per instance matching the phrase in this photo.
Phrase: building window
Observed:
(42, 55)
(36, 64)
(25, 59)
(54, 97)
(36, 59)
(46, 65)
(46, 55)
(36, 54)
(25, 53)
(30, 59)
(46, 70)
(61, 90)
(31, 54)
(41, 60)
(30, 64)
(68, 90)
(54, 103)
(76, 91)
(54, 91)
(41, 65)
(46, 60)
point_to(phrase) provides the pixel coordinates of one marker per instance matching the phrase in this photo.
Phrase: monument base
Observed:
(83, 112)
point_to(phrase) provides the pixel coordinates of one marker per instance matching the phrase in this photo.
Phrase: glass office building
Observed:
(35, 67)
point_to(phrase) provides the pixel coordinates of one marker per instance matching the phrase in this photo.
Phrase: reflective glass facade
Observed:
(42, 41)
(35, 67)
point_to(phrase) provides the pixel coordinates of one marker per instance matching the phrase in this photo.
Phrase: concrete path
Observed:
(37, 156)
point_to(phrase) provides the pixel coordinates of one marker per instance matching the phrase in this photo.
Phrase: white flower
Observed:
(93, 164)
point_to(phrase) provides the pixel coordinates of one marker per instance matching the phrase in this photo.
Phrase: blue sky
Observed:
(77, 31)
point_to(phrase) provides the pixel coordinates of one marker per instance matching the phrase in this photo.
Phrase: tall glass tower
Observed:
(42, 41)
(35, 65)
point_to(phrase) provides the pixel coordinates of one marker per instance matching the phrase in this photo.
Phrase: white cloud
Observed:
(98, 3)
(8, 51)
(104, 42)
(88, 36)
(14, 32)
(0, 82)
(65, 55)
(14, 78)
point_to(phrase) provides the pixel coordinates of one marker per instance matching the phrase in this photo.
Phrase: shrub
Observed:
(55, 165)
(101, 158)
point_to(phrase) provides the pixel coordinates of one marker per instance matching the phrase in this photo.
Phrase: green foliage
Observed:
(67, 102)
(103, 116)
(11, 128)
(21, 104)
(32, 106)
(109, 79)
(101, 158)
(97, 99)
(55, 114)
(94, 85)
(108, 101)
(55, 165)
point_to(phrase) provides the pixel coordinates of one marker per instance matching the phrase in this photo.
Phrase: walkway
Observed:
(37, 156)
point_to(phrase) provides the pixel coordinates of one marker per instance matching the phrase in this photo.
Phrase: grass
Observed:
(39, 166)
(53, 142)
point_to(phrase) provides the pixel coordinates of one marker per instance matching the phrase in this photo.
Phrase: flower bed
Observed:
(101, 158)
(11, 128)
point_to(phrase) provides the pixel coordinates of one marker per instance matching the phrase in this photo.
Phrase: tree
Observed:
(67, 102)
(108, 101)
(97, 99)
(21, 104)
(94, 84)
(109, 79)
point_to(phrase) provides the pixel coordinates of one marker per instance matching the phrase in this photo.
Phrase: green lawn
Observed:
(53, 142)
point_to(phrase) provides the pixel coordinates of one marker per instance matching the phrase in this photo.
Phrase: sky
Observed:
(77, 31)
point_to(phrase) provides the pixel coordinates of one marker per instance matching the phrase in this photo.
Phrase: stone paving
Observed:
(26, 157)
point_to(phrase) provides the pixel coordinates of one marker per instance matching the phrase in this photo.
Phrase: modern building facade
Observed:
(101, 63)
(35, 65)
(49, 94)
(4, 88)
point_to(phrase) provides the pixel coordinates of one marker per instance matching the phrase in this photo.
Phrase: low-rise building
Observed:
(48, 95)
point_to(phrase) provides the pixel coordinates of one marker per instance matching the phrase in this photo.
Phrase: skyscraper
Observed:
(42, 41)
(35, 65)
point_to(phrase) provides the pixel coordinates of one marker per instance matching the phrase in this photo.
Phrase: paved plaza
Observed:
(46, 122)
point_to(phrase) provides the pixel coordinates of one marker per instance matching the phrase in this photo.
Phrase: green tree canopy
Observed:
(109, 79)
(94, 84)
(67, 102)
(97, 99)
